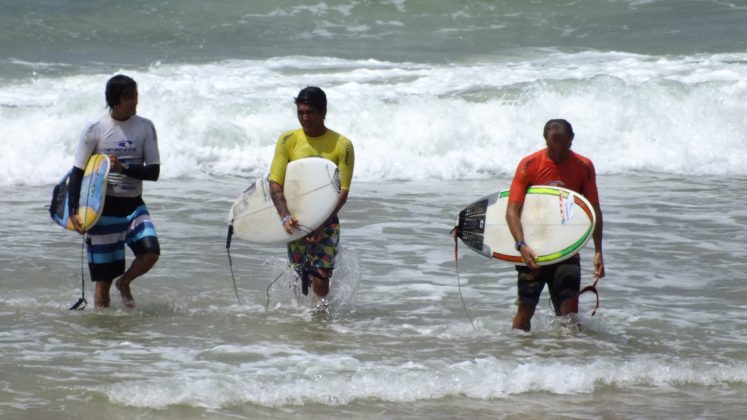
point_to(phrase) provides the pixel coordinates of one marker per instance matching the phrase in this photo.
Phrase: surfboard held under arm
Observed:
(311, 189)
(92, 195)
(557, 223)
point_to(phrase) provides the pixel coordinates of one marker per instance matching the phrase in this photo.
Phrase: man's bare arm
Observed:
(278, 198)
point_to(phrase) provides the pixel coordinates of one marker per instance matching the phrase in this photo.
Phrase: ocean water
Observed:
(441, 100)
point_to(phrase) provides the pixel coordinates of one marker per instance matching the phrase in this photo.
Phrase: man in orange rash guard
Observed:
(555, 165)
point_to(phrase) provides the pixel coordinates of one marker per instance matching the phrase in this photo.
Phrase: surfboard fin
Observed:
(305, 285)
(305, 281)
(58, 204)
(228, 236)
(230, 263)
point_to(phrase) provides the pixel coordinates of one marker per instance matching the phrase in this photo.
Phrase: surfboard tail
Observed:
(58, 205)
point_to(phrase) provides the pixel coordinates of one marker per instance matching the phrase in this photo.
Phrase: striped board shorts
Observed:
(125, 221)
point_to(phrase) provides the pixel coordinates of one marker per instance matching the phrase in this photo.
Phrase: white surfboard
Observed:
(557, 223)
(311, 189)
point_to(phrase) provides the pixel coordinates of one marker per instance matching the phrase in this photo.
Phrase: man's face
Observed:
(127, 106)
(311, 119)
(558, 138)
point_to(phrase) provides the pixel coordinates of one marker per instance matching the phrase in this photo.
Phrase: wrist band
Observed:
(285, 219)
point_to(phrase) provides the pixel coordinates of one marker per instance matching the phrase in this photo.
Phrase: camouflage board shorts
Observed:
(318, 255)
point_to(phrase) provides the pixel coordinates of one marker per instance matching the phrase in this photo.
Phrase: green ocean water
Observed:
(74, 36)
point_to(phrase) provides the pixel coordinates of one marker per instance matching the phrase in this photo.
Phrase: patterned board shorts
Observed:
(107, 240)
(563, 280)
(318, 255)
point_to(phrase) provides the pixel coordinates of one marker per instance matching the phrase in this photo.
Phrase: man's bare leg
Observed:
(140, 265)
(569, 306)
(319, 285)
(101, 293)
(523, 317)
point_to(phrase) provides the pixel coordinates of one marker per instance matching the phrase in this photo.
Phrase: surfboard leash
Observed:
(267, 305)
(592, 288)
(455, 231)
(230, 263)
(81, 303)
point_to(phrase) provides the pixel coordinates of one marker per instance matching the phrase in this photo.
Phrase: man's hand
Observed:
(529, 257)
(75, 220)
(290, 224)
(115, 164)
(315, 236)
(598, 265)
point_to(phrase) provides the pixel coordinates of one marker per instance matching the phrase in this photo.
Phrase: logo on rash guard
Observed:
(123, 146)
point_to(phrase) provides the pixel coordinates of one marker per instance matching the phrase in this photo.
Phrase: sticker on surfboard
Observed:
(557, 223)
(92, 195)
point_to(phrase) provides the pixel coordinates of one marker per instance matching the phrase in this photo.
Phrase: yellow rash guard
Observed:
(295, 144)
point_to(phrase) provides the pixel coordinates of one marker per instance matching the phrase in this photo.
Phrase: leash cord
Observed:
(592, 288)
(459, 283)
(267, 305)
(81, 303)
(302, 228)
(230, 262)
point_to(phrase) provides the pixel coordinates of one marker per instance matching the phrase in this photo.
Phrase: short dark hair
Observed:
(567, 125)
(313, 97)
(117, 87)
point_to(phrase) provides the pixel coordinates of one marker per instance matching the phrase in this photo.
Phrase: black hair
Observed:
(313, 97)
(118, 87)
(567, 125)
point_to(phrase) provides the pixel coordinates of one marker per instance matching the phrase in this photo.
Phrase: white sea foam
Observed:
(338, 380)
(682, 115)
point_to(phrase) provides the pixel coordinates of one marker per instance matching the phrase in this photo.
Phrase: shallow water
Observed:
(668, 340)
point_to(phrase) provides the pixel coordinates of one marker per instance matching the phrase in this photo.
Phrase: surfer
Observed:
(130, 142)
(313, 257)
(555, 165)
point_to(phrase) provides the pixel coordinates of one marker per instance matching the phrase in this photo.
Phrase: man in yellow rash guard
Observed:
(313, 256)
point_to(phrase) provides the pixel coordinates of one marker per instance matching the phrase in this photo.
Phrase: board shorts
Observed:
(125, 221)
(319, 255)
(563, 280)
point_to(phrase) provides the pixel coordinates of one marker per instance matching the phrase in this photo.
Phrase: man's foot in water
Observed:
(124, 290)
(322, 306)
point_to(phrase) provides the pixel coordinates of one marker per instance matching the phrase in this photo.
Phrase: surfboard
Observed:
(557, 223)
(92, 195)
(311, 189)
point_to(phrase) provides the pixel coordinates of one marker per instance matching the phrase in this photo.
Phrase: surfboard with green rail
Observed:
(557, 223)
